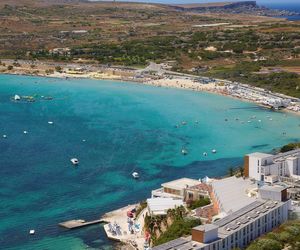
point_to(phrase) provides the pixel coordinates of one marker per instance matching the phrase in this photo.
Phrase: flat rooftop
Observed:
(259, 155)
(231, 193)
(241, 218)
(284, 156)
(276, 188)
(179, 244)
(181, 183)
(206, 227)
(161, 204)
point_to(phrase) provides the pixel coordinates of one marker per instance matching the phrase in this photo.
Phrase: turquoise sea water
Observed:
(126, 127)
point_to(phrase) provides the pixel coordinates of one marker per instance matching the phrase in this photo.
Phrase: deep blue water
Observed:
(126, 127)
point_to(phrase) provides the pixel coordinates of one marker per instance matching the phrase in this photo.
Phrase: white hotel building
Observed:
(270, 168)
(239, 228)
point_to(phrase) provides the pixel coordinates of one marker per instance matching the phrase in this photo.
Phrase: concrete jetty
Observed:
(72, 224)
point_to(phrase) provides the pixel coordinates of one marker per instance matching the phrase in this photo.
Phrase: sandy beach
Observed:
(164, 78)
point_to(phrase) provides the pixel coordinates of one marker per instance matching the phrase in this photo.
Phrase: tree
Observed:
(241, 170)
(10, 67)
(58, 69)
(231, 171)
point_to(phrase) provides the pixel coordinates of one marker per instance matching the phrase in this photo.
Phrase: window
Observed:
(191, 196)
(257, 169)
(257, 162)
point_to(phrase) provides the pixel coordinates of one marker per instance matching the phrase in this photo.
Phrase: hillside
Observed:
(258, 50)
(242, 7)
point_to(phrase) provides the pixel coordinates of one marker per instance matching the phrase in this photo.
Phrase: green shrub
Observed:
(265, 244)
(179, 228)
(199, 203)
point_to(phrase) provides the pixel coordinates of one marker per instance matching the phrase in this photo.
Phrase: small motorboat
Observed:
(135, 175)
(204, 154)
(259, 120)
(4, 136)
(84, 140)
(17, 98)
(50, 122)
(31, 231)
(184, 151)
(74, 161)
(214, 151)
(184, 123)
(25, 132)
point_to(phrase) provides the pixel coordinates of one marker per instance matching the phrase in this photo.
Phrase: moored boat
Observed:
(135, 175)
(74, 161)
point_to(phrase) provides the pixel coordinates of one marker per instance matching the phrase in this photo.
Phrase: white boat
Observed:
(184, 151)
(259, 120)
(74, 161)
(4, 136)
(204, 154)
(17, 98)
(184, 123)
(214, 151)
(31, 232)
(135, 175)
(50, 122)
(25, 132)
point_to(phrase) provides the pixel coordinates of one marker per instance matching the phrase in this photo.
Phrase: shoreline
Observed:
(176, 81)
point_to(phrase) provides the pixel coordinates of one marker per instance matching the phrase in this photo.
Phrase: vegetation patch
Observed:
(287, 236)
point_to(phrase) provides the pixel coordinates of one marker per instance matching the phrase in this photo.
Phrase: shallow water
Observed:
(126, 127)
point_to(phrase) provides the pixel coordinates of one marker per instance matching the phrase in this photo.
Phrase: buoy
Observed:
(4, 136)
(25, 132)
(32, 232)
(204, 154)
(214, 151)
(83, 140)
